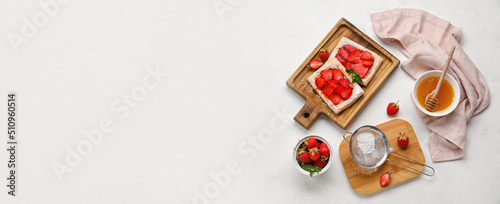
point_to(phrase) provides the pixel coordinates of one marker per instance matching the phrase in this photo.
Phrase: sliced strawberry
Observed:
(315, 64)
(346, 93)
(366, 56)
(327, 90)
(354, 57)
(339, 58)
(349, 48)
(320, 82)
(355, 60)
(360, 69)
(344, 54)
(337, 74)
(347, 65)
(345, 82)
(367, 63)
(327, 74)
(336, 99)
(333, 83)
(356, 53)
(338, 90)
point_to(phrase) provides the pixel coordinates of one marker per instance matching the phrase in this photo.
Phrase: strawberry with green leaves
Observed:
(324, 54)
(311, 143)
(314, 153)
(303, 156)
(392, 108)
(403, 140)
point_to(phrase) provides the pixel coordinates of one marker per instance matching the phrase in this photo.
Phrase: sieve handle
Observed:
(413, 168)
(345, 138)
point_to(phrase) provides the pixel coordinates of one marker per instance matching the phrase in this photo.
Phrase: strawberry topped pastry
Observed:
(359, 63)
(334, 87)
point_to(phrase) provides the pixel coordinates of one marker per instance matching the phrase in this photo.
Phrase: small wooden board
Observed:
(314, 106)
(366, 181)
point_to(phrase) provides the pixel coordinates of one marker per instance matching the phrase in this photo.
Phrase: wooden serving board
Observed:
(315, 106)
(366, 181)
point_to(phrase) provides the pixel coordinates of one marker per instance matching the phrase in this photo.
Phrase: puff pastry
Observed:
(374, 67)
(356, 92)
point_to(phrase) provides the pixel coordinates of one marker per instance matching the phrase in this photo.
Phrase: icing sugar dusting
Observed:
(366, 142)
(368, 149)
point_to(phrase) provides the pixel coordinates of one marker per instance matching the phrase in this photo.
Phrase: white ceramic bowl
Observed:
(297, 161)
(453, 83)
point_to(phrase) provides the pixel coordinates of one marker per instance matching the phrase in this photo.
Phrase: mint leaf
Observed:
(311, 169)
(355, 76)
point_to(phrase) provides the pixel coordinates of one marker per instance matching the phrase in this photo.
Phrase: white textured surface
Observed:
(225, 89)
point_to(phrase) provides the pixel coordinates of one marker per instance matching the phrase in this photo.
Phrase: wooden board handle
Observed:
(308, 114)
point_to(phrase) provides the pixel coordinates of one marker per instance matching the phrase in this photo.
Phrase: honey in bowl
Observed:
(445, 95)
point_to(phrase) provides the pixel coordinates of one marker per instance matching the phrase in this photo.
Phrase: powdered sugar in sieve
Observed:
(368, 148)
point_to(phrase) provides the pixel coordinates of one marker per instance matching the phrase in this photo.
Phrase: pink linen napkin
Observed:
(426, 40)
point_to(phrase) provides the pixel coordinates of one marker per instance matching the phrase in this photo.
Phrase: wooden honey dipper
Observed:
(431, 101)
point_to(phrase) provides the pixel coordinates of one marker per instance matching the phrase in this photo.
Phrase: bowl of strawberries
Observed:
(312, 155)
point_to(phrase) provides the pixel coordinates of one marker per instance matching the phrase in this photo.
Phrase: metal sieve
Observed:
(369, 156)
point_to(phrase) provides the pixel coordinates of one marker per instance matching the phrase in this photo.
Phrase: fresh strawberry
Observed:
(360, 69)
(324, 150)
(354, 57)
(327, 90)
(334, 83)
(338, 90)
(314, 154)
(311, 143)
(324, 54)
(385, 178)
(326, 74)
(336, 99)
(337, 74)
(346, 93)
(349, 48)
(355, 60)
(345, 82)
(403, 141)
(320, 163)
(392, 108)
(367, 63)
(343, 54)
(320, 82)
(339, 58)
(304, 156)
(366, 56)
(315, 64)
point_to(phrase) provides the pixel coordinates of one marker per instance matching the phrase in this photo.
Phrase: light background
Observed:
(225, 84)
